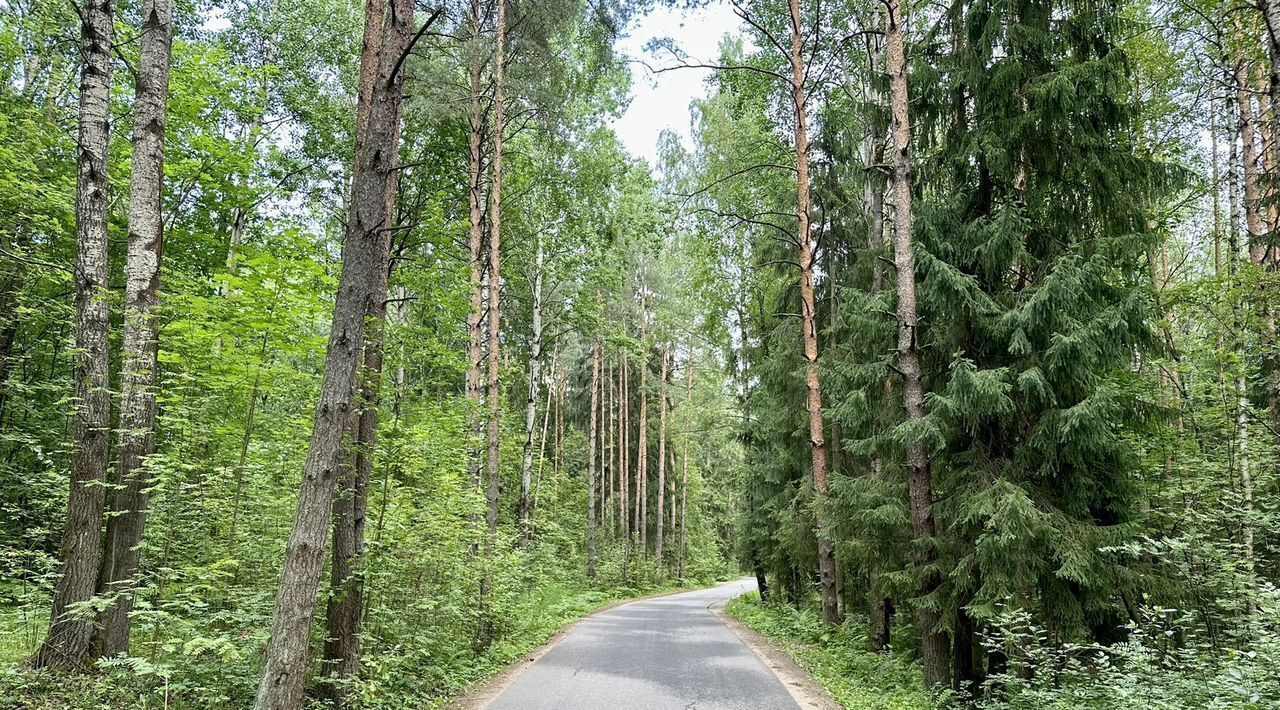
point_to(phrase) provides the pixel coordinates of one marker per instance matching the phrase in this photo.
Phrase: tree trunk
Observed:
(591, 461)
(642, 453)
(495, 277)
(684, 475)
(662, 455)
(344, 614)
(809, 317)
(1271, 15)
(339, 633)
(531, 404)
(608, 472)
(934, 646)
(624, 434)
(142, 295)
(881, 625)
(365, 260)
(68, 643)
(344, 608)
(475, 233)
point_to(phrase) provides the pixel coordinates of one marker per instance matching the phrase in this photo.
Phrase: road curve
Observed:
(668, 653)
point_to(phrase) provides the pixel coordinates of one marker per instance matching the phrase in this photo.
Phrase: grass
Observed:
(837, 658)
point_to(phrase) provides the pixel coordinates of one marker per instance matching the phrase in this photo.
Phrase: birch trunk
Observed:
(69, 640)
(531, 404)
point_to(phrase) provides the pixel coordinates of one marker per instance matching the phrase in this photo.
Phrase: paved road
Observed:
(669, 653)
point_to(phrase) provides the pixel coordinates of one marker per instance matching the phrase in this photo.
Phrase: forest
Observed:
(347, 353)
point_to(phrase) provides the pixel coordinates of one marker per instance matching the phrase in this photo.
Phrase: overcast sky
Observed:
(661, 101)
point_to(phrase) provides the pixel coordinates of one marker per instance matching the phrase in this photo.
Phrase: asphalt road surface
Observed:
(669, 653)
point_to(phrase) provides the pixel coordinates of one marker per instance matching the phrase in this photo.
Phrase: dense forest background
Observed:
(354, 328)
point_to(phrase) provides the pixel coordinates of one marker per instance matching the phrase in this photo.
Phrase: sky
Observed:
(661, 101)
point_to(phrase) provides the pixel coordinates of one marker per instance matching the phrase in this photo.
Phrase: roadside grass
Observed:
(838, 659)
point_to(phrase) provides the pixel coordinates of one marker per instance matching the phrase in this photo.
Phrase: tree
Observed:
(936, 654)
(591, 459)
(68, 643)
(494, 396)
(809, 317)
(142, 294)
(366, 255)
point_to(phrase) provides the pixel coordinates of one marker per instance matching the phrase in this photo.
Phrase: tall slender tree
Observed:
(935, 650)
(68, 643)
(344, 614)
(365, 258)
(475, 235)
(531, 403)
(809, 316)
(140, 365)
(494, 395)
(591, 459)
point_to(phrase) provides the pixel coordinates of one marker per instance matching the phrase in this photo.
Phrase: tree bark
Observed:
(624, 434)
(69, 641)
(662, 456)
(345, 610)
(495, 280)
(609, 472)
(141, 347)
(809, 318)
(365, 260)
(531, 404)
(881, 624)
(475, 238)
(642, 454)
(934, 646)
(339, 633)
(684, 475)
(591, 461)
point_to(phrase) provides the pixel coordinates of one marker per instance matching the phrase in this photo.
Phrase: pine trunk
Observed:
(934, 646)
(365, 260)
(809, 317)
(142, 294)
(344, 615)
(69, 641)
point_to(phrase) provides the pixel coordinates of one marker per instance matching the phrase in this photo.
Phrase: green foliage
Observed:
(837, 658)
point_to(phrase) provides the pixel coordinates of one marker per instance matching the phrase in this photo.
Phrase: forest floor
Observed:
(838, 659)
(673, 651)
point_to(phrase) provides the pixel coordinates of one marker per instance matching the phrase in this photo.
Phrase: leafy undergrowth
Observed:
(838, 659)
